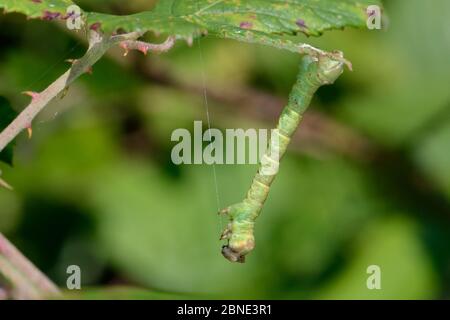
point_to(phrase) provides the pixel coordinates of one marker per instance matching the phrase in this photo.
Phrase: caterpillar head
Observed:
(239, 232)
(236, 249)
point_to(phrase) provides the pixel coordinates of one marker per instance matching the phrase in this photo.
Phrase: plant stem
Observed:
(24, 280)
(97, 48)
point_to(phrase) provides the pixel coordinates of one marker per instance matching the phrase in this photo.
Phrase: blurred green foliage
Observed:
(95, 186)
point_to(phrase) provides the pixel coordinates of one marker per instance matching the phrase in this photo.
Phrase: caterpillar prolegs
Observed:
(315, 71)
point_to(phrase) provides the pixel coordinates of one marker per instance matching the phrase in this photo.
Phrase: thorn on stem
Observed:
(143, 48)
(64, 93)
(30, 131)
(124, 46)
(33, 95)
(5, 185)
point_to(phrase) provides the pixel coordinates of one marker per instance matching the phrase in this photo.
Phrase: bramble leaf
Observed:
(248, 20)
(183, 17)
(43, 9)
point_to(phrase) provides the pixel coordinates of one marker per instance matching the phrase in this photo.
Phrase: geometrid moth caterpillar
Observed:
(315, 71)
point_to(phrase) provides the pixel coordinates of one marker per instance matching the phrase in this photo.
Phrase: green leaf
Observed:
(7, 114)
(43, 9)
(249, 20)
(189, 17)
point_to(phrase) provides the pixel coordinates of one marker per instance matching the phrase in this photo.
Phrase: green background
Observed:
(366, 181)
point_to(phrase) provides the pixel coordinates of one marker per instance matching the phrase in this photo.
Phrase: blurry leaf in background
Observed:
(11, 207)
(164, 233)
(41, 59)
(320, 206)
(273, 70)
(108, 80)
(433, 156)
(407, 81)
(199, 62)
(7, 115)
(392, 244)
(164, 113)
(49, 224)
(59, 169)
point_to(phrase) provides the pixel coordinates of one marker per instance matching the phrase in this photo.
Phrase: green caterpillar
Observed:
(315, 71)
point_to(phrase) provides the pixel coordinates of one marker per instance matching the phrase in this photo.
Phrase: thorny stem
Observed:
(23, 279)
(98, 46)
(144, 47)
